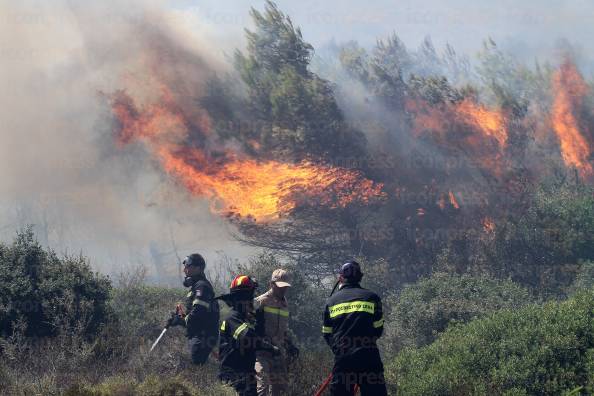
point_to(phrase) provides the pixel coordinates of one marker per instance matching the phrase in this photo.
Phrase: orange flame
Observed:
(570, 88)
(264, 190)
(440, 118)
(267, 190)
(488, 225)
(490, 122)
(453, 200)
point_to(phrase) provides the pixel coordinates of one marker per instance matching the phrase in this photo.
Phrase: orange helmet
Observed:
(241, 283)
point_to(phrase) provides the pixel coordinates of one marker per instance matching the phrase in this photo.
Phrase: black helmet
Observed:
(195, 260)
(351, 271)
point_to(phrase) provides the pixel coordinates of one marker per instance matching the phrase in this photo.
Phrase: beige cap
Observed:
(280, 278)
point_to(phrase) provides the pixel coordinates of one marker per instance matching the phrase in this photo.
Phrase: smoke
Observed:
(64, 65)
(60, 168)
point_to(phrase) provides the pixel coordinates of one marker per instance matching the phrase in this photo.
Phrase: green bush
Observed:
(535, 350)
(585, 276)
(151, 386)
(425, 309)
(138, 315)
(543, 246)
(42, 294)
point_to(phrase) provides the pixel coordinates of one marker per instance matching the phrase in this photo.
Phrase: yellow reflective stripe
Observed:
(277, 311)
(352, 306)
(378, 323)
(200, 302)
(189, 294)
(223, 325)
(240, 330)
(326, 330)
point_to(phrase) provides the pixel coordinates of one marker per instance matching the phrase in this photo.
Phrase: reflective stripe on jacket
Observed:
(272, 318)
(353, 320)
(202, 310)
(238, 343)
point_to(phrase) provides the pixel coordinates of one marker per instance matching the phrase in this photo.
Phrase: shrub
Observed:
(425, 309)
(585, 276)
(536, 350)
(45, 294)
(542, 247)
(142, 310)
(151, 386)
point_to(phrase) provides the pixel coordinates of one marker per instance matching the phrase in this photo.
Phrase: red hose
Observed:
(324, 386)
(327, 382)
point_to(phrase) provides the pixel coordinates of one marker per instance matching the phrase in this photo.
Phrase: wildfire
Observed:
(570, 88)
(267, 190)
(453, 200)
(488, 225)
(263, 190)
(441, 118)
(490, 122)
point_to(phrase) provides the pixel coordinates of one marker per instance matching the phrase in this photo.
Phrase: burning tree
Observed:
(447, 171)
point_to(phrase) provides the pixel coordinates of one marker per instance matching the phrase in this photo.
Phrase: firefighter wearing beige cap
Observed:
(272, 323)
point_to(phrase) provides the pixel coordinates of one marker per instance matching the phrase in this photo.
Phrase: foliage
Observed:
(506, 78)
(543, 246)
(42, 294)
(152, 386)
(536, 350)
(585, 277)
(293, 111)
(139, 312)
(428, 307)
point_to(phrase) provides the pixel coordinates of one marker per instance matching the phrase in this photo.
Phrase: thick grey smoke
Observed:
(60, 169)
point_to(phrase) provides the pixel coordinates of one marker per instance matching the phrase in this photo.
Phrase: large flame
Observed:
(484, 122)
(266, 190)
(262, 190)
(490, 122)
(570, 88)
(464, 128)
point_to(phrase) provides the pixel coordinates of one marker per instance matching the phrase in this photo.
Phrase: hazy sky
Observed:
(530, 27)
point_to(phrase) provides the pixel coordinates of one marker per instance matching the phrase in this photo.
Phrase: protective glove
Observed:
(276, 351)
(175, 320)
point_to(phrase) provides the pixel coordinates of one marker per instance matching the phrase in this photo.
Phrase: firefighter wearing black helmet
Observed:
(201, 317)
(353, 322)
(238, 341)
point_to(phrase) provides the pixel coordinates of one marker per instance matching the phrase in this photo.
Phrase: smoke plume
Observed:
(61, 170)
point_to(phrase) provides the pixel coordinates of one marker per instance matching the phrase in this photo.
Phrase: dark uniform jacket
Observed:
(202, 311)
(238, 343)
(353, 320)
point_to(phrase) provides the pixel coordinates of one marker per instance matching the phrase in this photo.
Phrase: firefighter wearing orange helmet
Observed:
(238, 341)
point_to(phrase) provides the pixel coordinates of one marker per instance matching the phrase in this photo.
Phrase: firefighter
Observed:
(353, 322)
(238, 341)
(272, 322)
(201, 316)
